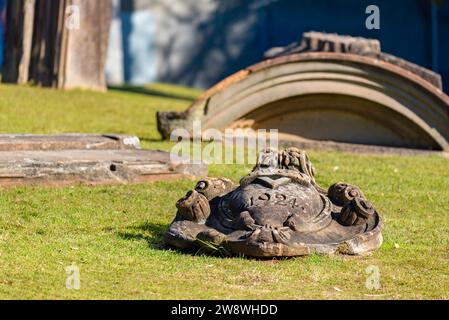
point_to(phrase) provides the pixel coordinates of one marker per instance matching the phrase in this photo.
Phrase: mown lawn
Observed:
(113, 234)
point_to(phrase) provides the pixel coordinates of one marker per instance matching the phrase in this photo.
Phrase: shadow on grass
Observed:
(155, 238)
(155, 241)
(151, 139)
(152, 233)
(153, 92)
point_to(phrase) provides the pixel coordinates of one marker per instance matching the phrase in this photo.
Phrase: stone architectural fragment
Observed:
(327, 89)
(91, 167)
(277, 210)
(68, 159)
(16, 142)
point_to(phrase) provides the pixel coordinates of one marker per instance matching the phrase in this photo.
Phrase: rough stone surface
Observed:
(277, 210)
(23, 142)
(92, 167)
(355, 148)
(330, 42)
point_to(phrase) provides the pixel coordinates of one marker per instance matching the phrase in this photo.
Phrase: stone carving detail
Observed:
(277, 210)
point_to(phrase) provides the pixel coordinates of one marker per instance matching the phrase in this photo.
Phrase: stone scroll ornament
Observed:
(278, 210)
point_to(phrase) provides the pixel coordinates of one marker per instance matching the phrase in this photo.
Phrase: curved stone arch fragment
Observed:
(326, 96)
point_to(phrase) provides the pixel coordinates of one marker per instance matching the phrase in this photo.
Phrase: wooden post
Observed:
(58, 43)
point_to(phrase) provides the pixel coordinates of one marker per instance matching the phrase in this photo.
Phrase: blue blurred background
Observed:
(199, 42)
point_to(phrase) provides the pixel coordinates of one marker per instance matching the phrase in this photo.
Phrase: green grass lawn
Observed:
(114, 234)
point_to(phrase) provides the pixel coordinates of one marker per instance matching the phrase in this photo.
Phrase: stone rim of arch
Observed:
(407, 104)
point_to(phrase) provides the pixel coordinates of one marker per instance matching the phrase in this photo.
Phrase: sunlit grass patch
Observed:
(114, 233)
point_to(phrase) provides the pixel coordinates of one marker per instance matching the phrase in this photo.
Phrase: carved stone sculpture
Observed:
(277, 210)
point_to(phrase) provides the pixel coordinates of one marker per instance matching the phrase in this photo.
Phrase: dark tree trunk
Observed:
(57, 43)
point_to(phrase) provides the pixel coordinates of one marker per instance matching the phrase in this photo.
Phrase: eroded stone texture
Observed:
(68, 159)
(331, 42)
(68, 167)
(276, 210)
(67, 141)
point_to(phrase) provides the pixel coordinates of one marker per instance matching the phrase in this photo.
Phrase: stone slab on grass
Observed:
(16, 142)
(92, 167)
